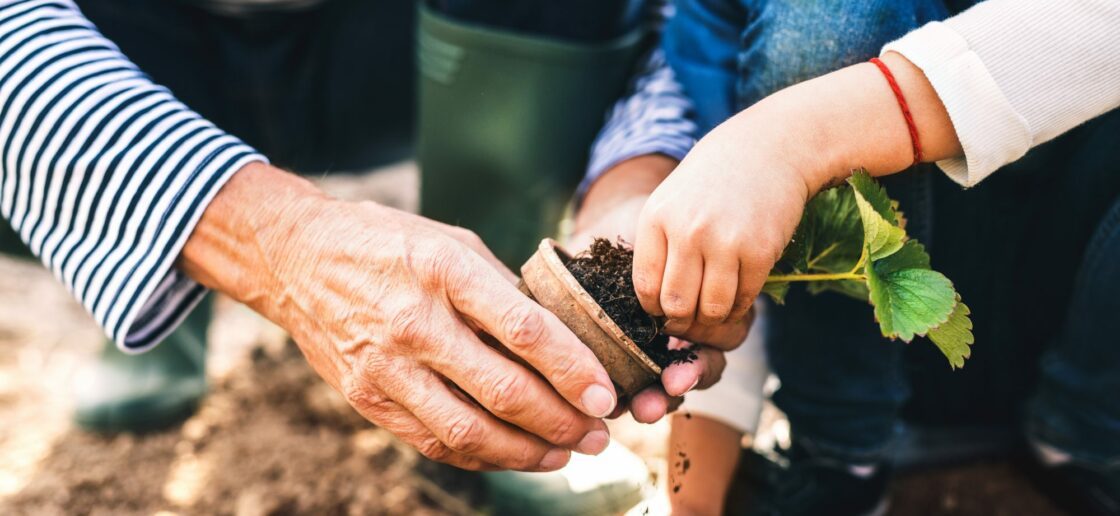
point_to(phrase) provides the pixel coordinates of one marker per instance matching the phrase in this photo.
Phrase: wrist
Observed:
(629, 179)
(848, 119)
(237, 248)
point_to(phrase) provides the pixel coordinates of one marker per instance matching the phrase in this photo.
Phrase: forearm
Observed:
(230, 249)
(844, 120)
(105, 172)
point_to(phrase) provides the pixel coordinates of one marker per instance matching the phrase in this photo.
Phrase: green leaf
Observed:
(875, 195)
(908, 300)
(954, 336)
(829, 237)
(842, 226)
(881, 236)
(837, 231)
(851, 288)
(912, 255)
(776, 290)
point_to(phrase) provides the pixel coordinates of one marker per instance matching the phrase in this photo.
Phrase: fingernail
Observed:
(594, 442)
(675, 326)
(597, 401)
(555, 459)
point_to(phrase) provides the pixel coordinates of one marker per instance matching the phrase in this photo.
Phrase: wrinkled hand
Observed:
(388, 308)
(616, 216)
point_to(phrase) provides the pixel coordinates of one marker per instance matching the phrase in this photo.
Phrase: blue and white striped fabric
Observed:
(653, 117)
(103, 173)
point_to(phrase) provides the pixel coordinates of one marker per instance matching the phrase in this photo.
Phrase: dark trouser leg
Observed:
(325, 89)
(1077, 404)
(1077, 408)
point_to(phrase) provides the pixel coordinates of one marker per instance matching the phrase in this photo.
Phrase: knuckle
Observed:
(675, 305)
(566, 371)
(523, 326)
(690, 235)
(468, 237)
(644, 285)
(433, 449)
(726, 241)
(768, 248)
(362, 398)
(506, 395)
(465, 434)
(698, 227)
(565, 431)
(441, 260)
(714, 312)
(408, 322)
(437, 260)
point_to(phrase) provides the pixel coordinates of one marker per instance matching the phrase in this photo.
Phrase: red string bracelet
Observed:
(905, 109)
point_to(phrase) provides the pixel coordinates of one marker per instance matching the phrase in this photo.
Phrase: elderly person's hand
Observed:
(392, 310)
(611, 210)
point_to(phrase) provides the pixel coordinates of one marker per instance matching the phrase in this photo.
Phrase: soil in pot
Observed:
(606, 272)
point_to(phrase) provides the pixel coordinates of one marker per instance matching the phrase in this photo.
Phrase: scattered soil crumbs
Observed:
(606, 272)
(681, 465)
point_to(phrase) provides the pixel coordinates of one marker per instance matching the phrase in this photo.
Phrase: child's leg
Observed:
(706, 432)
(703, 454)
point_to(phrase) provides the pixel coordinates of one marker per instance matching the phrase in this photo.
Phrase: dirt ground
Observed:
(273, 439)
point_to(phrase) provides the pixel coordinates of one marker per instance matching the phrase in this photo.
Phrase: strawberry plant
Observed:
(852, 240)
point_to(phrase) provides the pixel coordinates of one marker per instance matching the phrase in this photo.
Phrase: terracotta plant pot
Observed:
(546, 279)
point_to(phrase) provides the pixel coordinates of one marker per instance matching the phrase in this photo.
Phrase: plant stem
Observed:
(861, 261)
(778, 278)
(822, 254)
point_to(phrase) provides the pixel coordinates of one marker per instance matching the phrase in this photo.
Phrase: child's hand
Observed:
(611, 211)
(715, 227)
(711, 232)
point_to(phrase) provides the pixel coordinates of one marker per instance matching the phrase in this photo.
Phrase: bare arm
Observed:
(714, 228)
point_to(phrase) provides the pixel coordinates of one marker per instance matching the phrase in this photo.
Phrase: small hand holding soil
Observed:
(605, 271)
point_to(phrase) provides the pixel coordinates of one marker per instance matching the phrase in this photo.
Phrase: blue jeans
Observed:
(1035, 251)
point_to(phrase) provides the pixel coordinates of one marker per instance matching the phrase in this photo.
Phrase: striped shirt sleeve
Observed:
(103, 174)
(653, 117)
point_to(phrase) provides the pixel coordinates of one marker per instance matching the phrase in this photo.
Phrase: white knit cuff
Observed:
(991, 132)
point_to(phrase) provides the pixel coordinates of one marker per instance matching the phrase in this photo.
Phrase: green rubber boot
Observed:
(145, 392)
(505, 125)
(609, 483)
(135, 393)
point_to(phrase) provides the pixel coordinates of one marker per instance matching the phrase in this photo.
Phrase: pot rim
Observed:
(552, 254)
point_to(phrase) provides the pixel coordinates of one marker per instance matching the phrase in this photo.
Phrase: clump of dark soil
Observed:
(606, 272)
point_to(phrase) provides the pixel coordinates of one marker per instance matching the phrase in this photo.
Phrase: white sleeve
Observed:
(103, 173)
(1016, 73)
(736, 400)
